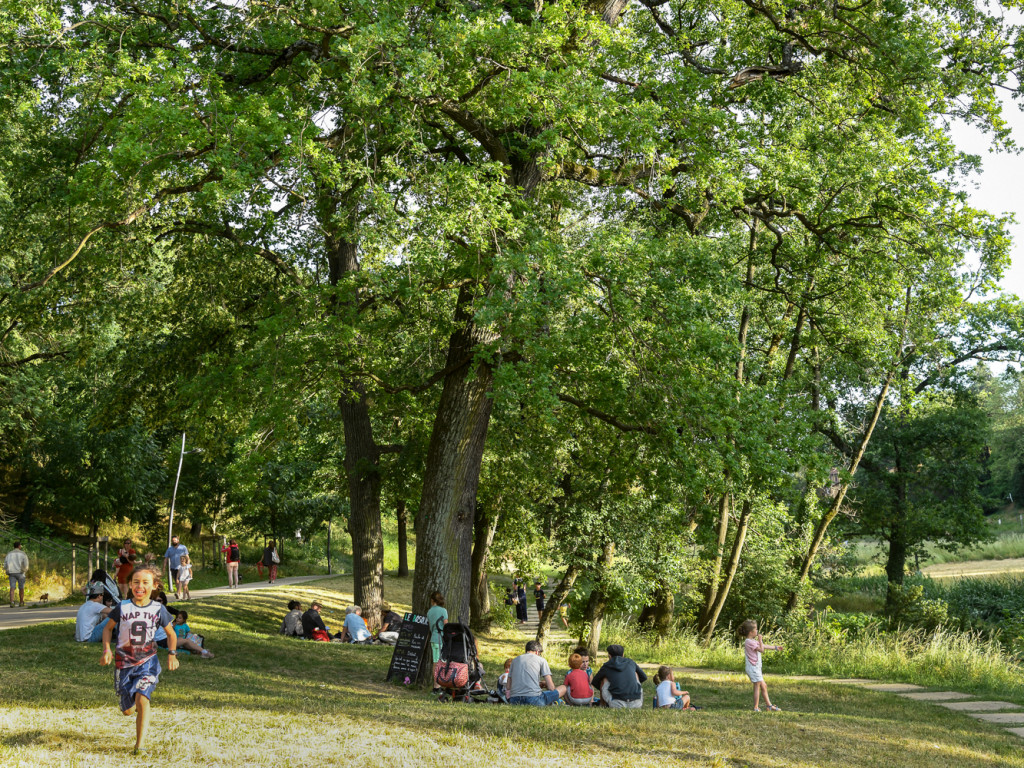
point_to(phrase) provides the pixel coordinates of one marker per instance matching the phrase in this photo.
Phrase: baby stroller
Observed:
(101, 582)
(459, 674)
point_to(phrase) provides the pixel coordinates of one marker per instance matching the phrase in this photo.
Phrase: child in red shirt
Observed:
(577, 684)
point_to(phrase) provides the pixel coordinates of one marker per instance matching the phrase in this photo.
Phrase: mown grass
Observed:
(269, 701)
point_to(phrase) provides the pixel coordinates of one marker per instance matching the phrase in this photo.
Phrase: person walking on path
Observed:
(172, 561)
(233, 556)
(271, 560)
(538, 596)
(16, 565)
(522, 610)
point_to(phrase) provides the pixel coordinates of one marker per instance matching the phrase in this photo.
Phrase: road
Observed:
(11, 618)
(974, 569)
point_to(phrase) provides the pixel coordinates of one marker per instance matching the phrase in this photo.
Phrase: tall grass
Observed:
(943, 658)
(961, 660)
(1003, 548)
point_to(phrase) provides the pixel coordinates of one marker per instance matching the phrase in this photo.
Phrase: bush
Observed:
(910, 608)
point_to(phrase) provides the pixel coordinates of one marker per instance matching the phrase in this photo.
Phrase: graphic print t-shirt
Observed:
(136, 631)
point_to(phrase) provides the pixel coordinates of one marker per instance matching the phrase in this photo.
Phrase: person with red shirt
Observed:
(124, 573)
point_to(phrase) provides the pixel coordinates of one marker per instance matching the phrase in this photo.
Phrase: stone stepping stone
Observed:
(850, 680)
(1008, 718)
(1017, 731)
(894, 687)
(977, 706)
(936, 696)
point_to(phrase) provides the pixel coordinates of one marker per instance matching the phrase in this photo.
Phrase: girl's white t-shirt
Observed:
(664, 693)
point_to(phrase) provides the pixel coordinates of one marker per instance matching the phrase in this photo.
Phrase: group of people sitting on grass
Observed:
(101, 600)
(310, 625)
(527, 680)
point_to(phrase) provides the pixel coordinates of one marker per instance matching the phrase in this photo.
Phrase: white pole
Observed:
(170, 523)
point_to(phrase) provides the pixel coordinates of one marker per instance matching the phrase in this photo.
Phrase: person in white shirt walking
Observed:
(16, 565)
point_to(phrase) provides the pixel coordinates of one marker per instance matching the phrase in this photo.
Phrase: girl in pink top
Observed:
(753, 647)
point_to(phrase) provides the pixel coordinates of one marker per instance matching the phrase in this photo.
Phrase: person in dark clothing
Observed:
(521, 609)
(538, 596)
(271, 560)
(390, 625)
(619, 680)
(311, 620)
(510, 601)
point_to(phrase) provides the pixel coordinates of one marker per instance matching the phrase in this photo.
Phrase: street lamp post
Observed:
(174, 496)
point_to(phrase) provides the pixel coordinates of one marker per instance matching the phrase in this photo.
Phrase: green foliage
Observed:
(907, 606)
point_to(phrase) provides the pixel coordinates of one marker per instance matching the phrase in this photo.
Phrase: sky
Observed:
(1000, 187)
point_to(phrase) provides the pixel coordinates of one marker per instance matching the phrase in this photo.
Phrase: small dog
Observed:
(44, 598)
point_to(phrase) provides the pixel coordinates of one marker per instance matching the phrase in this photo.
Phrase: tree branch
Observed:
(607, 417)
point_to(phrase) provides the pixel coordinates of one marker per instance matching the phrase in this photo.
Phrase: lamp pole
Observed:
(174, 496)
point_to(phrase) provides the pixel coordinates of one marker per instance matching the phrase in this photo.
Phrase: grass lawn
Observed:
(269, 701)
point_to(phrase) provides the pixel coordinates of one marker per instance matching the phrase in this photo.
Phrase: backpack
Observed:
(233, 555)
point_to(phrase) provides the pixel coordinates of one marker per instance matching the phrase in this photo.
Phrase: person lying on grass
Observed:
(753, 647)
(136, 667)
(188, 641)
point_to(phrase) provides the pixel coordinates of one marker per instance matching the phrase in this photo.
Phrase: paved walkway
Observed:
(1002, 714)
(11, 618)
(556, 631)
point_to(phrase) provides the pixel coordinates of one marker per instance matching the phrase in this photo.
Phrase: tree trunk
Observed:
(716, 570)
(599, 599)
(480, 597)
(364, 523)
(658, 615)
(362, 458)
(195, 531)
(708, 629)
(403, 538)
(554, 601)
(896, 562)
(837, 501)
(444, 522)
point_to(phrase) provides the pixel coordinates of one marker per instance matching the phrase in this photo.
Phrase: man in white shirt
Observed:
(524, 678)
(16, 565)
(89, 621)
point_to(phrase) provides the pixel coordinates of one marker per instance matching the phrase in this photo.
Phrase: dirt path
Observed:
(1014, 565)
(12, 618)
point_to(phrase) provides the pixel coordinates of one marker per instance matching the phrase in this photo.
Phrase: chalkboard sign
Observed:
(408, 653)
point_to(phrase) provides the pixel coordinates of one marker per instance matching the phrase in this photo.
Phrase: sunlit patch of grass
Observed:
(271, 701)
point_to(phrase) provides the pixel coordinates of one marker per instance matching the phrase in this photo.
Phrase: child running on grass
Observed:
(184, 576)
(136, 667)
(753, 647)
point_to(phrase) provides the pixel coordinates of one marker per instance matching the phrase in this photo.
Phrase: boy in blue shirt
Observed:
(136, 667)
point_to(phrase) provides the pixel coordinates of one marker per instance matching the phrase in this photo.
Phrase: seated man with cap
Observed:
(619, 680)
(89, 621)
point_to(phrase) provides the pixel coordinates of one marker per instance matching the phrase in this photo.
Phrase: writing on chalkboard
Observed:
(408, 653)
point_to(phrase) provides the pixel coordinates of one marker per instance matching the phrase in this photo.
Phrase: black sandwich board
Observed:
(408, 654)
